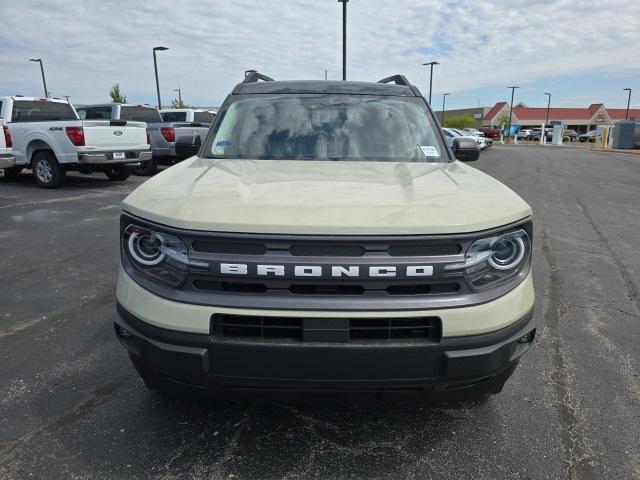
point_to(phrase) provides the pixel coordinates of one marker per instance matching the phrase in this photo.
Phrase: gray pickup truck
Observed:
(162, 134)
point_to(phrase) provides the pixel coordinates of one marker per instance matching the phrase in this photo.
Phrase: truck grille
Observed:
(334, 330)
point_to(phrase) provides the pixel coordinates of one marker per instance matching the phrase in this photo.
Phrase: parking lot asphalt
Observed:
(71, 405)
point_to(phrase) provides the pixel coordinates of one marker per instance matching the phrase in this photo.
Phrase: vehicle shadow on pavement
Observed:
(277, 440)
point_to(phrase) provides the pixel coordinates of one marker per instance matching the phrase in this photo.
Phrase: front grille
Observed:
(355, 330)
(326, 288)
(330, 248)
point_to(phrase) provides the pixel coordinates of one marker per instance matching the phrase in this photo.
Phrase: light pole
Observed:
(444, 99)
(44, 82)
(155, 66)
(626, 117)
(344, 38)
(67, 97)
(430, 77)
(548, 106)
(513, 89)
(179, 95)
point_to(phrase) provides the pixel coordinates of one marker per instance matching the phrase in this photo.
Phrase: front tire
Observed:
(118, 173)
(47, 171)
(146, 169)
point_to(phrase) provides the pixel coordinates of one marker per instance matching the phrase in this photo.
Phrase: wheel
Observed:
(12, 173)
(118, 173)
(146, 169)
(47, 171)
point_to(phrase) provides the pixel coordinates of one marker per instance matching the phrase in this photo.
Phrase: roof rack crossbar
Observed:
(397, 79)
(253, 76)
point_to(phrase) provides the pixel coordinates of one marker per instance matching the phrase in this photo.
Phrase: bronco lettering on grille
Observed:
(353, 271)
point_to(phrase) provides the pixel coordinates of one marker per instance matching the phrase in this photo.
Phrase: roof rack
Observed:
(397, 79)
(252, 76)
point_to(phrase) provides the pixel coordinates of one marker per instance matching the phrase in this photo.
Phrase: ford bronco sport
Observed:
(324, 237)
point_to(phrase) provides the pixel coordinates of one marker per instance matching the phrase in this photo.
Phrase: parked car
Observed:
(191, 115)
(162, 134)
(49, 138)
(524, 133)
(482, 142)
(474, 131)
(351, 250)
(535, 134)
(590, 136)
(490, 132)
(7, 159)
(571, 134)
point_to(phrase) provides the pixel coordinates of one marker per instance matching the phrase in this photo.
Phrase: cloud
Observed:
(89, 45)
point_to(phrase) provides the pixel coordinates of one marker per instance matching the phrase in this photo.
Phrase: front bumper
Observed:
(202, 360)
(7, 161)
(106, 158)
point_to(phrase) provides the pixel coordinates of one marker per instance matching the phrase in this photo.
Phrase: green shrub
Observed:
(461, 121)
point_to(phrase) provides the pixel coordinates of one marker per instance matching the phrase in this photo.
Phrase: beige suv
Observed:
(325, 237)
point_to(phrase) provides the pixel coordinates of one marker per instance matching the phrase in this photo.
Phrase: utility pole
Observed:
(430, 77)
(548, 107)
(155, 66)
(444, 99)
(344, 38)
(626, 117)
(179, 94)
(67, 97)
(44, 81)
(325, 73)
(513, 89)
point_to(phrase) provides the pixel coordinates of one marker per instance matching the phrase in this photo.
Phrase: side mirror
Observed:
(465, 149)
(187, 146)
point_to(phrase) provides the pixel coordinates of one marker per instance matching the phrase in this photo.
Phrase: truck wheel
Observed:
(146, 169)
(118, 173)
(12, 173)
(47, 171)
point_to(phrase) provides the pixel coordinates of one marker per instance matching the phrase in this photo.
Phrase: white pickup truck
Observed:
(197, 115)
(49, 138)
(163, 134)
(7, 160)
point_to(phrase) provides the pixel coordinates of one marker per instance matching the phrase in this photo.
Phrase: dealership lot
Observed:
(72, 406)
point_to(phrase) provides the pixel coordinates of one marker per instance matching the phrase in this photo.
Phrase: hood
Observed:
(325, 197)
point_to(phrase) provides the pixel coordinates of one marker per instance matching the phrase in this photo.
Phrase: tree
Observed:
(175, 103)
(116, 95)
(504, 118)
(460, 121)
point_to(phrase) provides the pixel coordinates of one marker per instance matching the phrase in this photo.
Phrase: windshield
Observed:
(41, 111)
(140, 114)
(328, 127)
(174, 116)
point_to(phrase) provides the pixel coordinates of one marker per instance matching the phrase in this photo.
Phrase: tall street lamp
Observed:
(155, 66)
(344, 38)
(430, 77)
(548, 106)
(513, 89)
(626, 117)
(44, 82)
(444, 99)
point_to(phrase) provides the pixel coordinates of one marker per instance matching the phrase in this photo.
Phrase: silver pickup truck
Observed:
(163, 135)
(48, 137)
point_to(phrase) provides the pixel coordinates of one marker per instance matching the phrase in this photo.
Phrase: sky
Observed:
(581, 51)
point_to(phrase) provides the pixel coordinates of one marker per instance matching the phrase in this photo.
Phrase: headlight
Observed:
(158, 255)
(492, 261)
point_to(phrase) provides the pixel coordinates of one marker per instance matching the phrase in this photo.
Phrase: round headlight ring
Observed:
(514, 259)
(140, 248)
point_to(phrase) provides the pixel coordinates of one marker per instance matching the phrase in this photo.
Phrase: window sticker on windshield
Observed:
(223, 143)
(429, 151)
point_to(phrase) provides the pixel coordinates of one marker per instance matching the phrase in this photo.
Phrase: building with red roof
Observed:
(579, 119)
